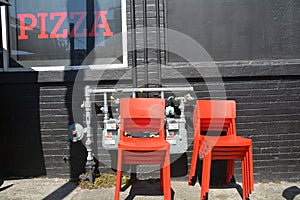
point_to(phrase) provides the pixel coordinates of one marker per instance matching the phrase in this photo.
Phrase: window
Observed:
(233, 30)
(66, 33)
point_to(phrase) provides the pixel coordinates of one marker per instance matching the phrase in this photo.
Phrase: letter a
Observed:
(101, 15)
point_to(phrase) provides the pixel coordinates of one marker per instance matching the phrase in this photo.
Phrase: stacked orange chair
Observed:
(143, 115)
(219, 116)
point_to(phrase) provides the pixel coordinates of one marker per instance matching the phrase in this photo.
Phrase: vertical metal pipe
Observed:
(165, 35)
(133, 95)
(158, 41)
(133, 43)
(105, 106)
(145, 28)
(90, 12)
(89, 134)
(72, 46)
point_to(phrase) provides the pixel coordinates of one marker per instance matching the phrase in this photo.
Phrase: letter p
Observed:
(24, 27)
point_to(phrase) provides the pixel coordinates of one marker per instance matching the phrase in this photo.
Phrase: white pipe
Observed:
(105, 106)
(174, 89)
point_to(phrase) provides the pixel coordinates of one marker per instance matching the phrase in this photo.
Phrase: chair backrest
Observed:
(142, 115)
(215, 115)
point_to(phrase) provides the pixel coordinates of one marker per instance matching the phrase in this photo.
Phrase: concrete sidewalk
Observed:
(48, 189)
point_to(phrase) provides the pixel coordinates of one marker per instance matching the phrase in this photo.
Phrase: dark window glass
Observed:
(239, 29)
(1, 48)
(65, 32)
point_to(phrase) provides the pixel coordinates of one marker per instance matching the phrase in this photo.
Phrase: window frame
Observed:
(1, 59)
(6, 49)
(4, 38)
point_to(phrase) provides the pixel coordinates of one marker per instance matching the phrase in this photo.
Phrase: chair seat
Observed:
(143, 144)
(228, 140)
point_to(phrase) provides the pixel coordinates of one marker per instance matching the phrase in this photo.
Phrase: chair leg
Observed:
(251, 169)
(167, 177)
(247, 169)
(205, 175)
(230, 170)
(119, 176)
(161, 177)
(194, 163)
(244, 179)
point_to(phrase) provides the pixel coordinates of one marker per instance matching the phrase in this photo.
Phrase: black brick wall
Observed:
(55, 111)
(35, 116)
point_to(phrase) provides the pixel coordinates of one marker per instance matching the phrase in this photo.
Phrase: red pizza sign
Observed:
(39, 20)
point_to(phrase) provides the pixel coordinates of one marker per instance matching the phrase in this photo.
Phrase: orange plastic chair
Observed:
(144, 115)
(219, 116)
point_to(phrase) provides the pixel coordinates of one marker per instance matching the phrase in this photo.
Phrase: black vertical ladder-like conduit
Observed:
(133, 44)
(158, 42)
(134, 65)
(145, 30)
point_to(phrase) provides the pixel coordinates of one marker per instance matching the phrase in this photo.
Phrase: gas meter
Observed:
(176, 135)
(75, 132)
(110, 134)
(172, 130)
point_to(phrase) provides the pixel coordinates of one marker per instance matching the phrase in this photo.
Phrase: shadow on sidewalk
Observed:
(144, 188)
(6, 187)
(231, 185)
(291, 192)
(61, 192)
(219, 183)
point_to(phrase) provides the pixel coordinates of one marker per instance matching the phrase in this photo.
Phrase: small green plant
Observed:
(264, 181)
(104, 180)
(277, 181)
(85, 184)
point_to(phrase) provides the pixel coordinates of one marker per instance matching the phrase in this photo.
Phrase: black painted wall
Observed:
(21, 152)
